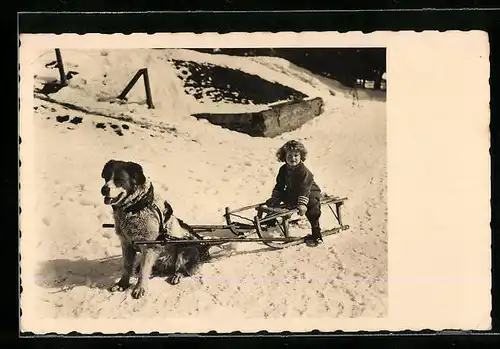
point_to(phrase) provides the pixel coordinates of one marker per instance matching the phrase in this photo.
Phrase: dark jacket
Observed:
(295, 186)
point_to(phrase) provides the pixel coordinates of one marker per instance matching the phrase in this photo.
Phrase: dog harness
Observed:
(147, 201)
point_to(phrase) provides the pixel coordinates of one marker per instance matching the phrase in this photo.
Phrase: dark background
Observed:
(345, 65)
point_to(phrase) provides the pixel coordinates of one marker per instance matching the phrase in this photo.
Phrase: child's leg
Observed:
(313, 215)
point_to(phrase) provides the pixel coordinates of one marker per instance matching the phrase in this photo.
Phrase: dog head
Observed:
(121, 179)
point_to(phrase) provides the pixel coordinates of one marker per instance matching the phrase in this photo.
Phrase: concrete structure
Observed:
(278, 119)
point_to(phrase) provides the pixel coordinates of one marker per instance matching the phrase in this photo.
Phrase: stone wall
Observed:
(278, 119)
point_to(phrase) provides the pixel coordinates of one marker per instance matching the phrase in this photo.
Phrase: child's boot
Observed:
(315, 238)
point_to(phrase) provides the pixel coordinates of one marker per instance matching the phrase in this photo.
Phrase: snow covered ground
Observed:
(201, 168)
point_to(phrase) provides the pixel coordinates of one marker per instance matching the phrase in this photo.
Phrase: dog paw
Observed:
(138, 292)
(119, 287)
(175, 279)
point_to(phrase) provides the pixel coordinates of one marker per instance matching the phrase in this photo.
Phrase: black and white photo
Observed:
(210, 182)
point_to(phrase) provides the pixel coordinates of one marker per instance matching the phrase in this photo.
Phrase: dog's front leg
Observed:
(149, 257)
(128, 255)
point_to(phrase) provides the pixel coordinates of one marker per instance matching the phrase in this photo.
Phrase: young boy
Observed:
(295, 187)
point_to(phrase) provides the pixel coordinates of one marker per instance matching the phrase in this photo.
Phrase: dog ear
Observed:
(136, 173)
(106, 171)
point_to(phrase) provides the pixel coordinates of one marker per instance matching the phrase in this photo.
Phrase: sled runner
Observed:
(271, 225)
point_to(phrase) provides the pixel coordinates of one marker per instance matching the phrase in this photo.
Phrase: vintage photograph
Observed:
(188, 183)
(194, 182)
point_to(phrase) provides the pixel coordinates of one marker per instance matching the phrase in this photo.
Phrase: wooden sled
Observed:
(266, 223)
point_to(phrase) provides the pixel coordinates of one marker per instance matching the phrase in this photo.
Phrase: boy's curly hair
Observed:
(291, 146)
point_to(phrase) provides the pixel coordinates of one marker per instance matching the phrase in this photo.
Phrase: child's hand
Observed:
(302, 209)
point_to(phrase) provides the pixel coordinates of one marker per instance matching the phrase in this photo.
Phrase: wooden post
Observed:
(130, 84)
(60, 65)
(126, 90)
(149, 98)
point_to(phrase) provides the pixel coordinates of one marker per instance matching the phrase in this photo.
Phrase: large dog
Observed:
(138, 215)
